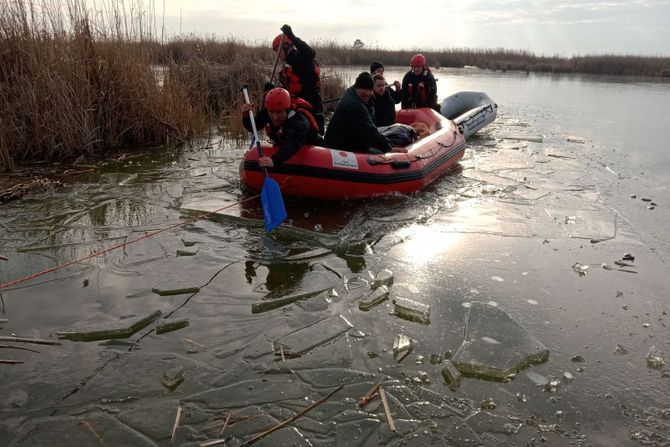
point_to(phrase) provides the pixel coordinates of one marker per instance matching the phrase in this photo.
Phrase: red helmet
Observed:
(277, 41)
(418, 60)
(277, 99)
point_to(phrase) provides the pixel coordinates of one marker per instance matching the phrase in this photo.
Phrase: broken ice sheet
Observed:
(316, 334)
(402, 346)
(109, 330)
(269, 304)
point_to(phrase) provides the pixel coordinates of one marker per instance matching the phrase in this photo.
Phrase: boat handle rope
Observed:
(439, 143)
(6, 285)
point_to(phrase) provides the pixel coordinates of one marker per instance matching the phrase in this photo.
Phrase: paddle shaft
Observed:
(274, 68)
(253, 125)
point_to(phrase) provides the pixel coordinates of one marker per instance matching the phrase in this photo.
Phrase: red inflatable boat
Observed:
(336, 174)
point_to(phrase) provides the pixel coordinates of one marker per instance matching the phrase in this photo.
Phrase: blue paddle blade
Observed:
(272, 202)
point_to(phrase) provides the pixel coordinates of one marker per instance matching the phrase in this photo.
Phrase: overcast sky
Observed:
(545, 27)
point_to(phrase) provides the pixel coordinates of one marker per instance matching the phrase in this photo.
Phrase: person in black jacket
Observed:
(419, 88)
(384, 101)
(378, 68)
(352, 126)
(301, 74)
(286, 125)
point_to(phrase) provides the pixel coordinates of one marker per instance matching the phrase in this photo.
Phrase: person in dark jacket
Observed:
(378, 68)
(301, 74)
(288, 126)
(384, 102)
(352, 126)
(419, 88)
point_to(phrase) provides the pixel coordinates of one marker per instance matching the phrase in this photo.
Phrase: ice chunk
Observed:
(580, 268)
(402, 346)
(373, 298)
(188, 251)
(174, 287)
(531, 138)
(516, 348)
(452, 376)
(171, 324)
(655, 358)
(383, 278)
(412, 310)
(173, 378)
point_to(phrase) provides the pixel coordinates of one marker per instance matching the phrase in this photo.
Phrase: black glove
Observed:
(287, 31)
(268, 86)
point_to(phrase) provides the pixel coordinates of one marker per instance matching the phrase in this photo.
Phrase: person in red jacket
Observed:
(419, 88)
(301, 74)
(288, 123)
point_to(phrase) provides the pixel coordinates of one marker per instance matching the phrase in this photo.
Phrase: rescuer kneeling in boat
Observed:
(352, 126)
(288, 122)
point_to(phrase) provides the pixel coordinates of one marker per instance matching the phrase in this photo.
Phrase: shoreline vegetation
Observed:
(80, 85)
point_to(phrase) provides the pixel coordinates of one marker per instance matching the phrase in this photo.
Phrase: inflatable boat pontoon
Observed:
(471, 111)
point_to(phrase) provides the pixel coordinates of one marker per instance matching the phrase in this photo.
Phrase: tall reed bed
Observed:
(72, 85)
(77, 83)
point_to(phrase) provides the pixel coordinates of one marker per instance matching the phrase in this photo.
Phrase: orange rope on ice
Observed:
(114, 247)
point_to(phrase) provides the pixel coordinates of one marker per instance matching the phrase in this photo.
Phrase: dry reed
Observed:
(71, 85)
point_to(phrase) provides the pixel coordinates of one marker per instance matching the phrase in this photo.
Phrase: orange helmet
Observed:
(277, 99)
(418, 60)
(277, 41)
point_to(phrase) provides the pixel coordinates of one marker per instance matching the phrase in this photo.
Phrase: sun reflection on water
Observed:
(424, 245)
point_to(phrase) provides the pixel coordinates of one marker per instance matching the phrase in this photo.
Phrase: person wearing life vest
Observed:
(419, 88)
(300, 74)
(352, 127)
(288, 122)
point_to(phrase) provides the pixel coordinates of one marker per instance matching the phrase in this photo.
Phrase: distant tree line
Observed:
(337, 54)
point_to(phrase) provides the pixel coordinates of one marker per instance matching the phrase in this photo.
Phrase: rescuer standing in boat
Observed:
(419, 88)
(301, 74)
(288, 123)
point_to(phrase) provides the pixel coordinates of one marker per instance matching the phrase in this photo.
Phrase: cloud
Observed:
(541, 26)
